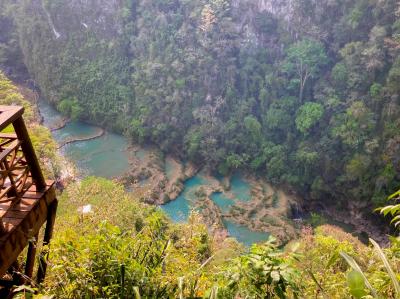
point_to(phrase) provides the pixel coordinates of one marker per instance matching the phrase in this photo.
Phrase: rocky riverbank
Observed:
(148, 174)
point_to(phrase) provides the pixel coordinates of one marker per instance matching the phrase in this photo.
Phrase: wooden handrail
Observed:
(8, 114)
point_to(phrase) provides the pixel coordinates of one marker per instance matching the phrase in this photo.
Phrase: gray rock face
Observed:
(103, 16)
(277, 7)
(248, 12)
(99, 16)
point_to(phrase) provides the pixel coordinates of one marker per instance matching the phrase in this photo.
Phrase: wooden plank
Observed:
(10, 226)
(33, 195)
(8, 114)
(32, 188)
(4, 207)
(27, 202)
(13, 221)
(24, 205)
(15, 214)
(8, 135)
(5, 108)
(2, 212)
(6, 236)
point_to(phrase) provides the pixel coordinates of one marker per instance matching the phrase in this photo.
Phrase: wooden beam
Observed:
(30, 258)
(29, 153)
(44, 255)
(9, 149)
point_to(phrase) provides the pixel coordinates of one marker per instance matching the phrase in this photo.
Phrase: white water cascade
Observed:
(56, 33)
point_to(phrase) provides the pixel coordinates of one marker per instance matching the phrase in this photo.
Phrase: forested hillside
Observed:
(109, 244)
(304, 92)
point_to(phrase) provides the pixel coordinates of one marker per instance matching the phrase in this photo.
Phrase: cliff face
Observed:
(79, 39)
(248, 15)
(103, 17)
(279, 8)
(69, 17)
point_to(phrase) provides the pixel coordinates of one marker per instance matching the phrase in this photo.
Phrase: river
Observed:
(108, 156)
(105, 156)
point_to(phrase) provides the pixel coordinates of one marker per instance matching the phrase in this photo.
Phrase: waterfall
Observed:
(56, 34)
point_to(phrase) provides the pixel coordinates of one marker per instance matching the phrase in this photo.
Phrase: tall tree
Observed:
(304, 60)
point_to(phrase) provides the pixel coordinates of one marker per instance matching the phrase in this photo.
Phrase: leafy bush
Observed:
(264, 272)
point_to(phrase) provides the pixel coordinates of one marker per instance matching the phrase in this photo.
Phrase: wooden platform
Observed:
(23, 221)
(27, 201)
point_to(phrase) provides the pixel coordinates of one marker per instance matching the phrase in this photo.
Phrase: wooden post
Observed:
(30, 258)
(30, 156)
(51, 216)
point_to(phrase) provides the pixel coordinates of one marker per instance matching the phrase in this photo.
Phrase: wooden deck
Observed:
(27, 201)
(22, 223)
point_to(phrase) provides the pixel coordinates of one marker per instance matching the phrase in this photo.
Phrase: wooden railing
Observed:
(19, 167)
(27, 201)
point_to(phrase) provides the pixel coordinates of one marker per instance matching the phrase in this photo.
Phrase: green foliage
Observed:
(394, 77)
(393, 277)
(316, 219)
(359, 279)
(340, 75)
(376, 90)
(234, 161)
(356, 268)
(253, 127)
(356, 284)
(305, 60)
(308, 115)
(392, 210)
(70, 108)
(11, 56)
(321, 265)
(262, 273)
(9, 95)
(307, 55)
(354, 127)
